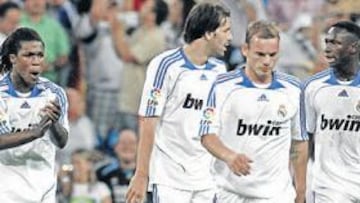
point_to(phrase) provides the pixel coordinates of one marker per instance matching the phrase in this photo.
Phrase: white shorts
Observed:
(224, 196)
(326, 195)
(162, 193)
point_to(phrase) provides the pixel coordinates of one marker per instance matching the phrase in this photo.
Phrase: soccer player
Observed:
(174, 95)
(255, 111)
(33, 121)
(332, 110)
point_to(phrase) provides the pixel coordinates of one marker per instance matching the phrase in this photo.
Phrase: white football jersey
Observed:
(258, 122)
(333, 117)
(176, 91)
(29, 168)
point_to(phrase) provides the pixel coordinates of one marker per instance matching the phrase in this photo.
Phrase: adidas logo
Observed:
(203, 77)
(25, 105)
(263, 98)
(343, 94)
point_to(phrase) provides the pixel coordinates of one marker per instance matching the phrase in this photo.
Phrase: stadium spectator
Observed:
(119, 171)
(136, 52)
(80, 183)
(9, 19)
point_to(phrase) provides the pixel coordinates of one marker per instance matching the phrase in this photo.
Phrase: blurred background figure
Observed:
(9, 19)
(82, 132)
(103, 67)
(119, 171)
(78, 184)
(136, 50)
(56, 40)
(174, 23)
(297, 52)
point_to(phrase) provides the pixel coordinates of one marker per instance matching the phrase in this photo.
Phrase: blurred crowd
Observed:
(98, 50)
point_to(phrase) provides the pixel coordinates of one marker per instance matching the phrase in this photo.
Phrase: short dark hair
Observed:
(203, 18)
(12, 45)
(5, 7)
(161, 10)
(349, 27)
(262, 29)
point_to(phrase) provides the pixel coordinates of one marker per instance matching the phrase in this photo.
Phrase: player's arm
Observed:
(238, 163)
(58, 115)
(299, 158)
(299, 150)
(60, 134)
(10, 140)
(137, 189)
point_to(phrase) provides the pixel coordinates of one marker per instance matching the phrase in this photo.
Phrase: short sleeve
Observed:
(209, 123)
(155, 89)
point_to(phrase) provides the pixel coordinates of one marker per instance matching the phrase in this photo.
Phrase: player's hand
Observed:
(137, 189)
(239, 164)
(52, 111)
(40, 129)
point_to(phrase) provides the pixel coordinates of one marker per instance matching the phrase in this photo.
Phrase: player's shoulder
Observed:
(4, 83)
(46, 84)
(287, 80)
(234, 76)
(217, 65)
(168, 56)
(317, 79)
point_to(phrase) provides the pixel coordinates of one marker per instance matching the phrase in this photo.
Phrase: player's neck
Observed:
(19, 84)
(347, 72)
(196, 53)
(258, 79)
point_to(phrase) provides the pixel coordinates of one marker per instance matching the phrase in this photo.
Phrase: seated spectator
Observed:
(81, 185)
(82, 132)
(118, 173)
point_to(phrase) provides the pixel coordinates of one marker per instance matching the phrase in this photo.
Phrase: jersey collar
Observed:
(188, 64)
(275, 84)
(11, 91)
(334, 81)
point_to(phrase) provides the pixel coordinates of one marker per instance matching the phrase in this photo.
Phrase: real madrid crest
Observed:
(282, 112)
(357, 107)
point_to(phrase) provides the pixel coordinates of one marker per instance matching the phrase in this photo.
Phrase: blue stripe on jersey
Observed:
(211, 97)
(204, 127)
(303, 131)
(228, 76)
(288, 78)
(150, 110)
(61, 96)
(163, 66)
(317, 76)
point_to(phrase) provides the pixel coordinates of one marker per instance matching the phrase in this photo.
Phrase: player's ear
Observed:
(12, 58)
(245, 49)
(354, 47)
(209, 35)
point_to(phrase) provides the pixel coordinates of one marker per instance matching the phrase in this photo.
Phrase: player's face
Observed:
(337, 47)
(28, 62)
(221, 38)
(261, 55)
